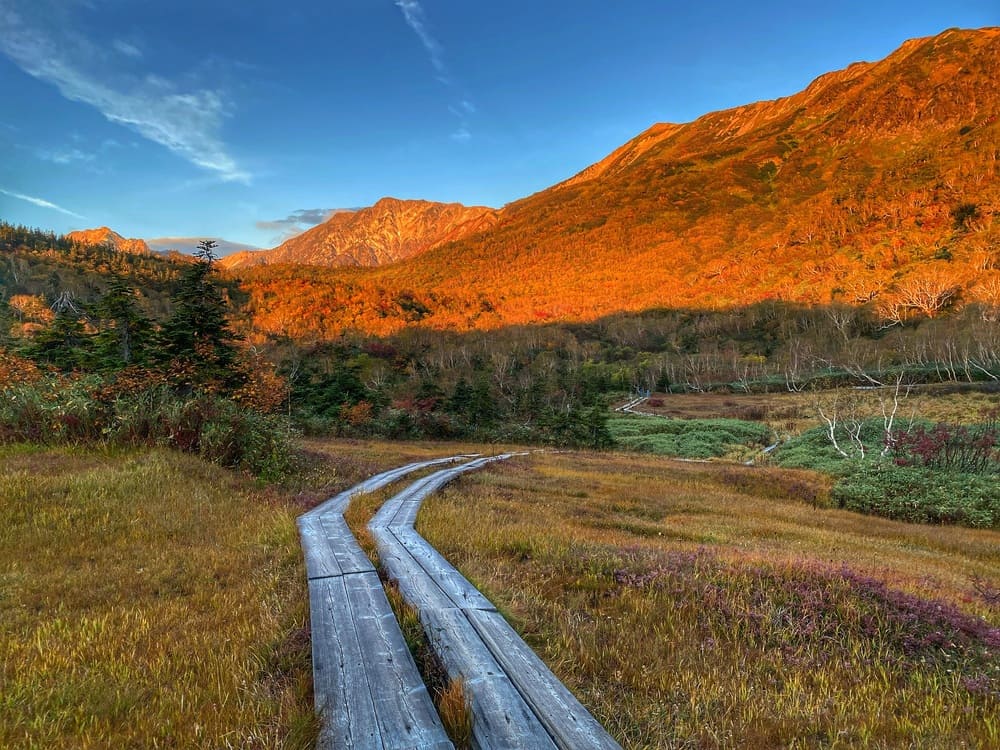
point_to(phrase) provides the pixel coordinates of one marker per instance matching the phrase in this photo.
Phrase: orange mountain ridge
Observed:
(878, 184)
(389, 231)
(110, 238)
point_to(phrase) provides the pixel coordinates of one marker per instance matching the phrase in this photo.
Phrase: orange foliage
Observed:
(839, 193)
(15, 370)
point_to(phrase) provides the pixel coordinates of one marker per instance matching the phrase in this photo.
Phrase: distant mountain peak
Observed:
(876, 185)
(390, 230)
(110, 238)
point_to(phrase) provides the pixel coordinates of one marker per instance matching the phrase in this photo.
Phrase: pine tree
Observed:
(63, 344)
(198, 345)
(124, 334)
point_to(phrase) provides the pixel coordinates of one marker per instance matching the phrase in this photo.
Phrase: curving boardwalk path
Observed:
(368, 691)
(516, 701)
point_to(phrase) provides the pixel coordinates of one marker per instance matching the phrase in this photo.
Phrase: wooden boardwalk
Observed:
(516, 701)
(368, 692)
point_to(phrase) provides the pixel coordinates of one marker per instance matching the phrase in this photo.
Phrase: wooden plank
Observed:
(343, 546)
(403, 707)
(340, 501)
(386, 514)
(454, 584)
(416, 586)
(501, 718)
(565, 719)
(320, 560)
(342, 696)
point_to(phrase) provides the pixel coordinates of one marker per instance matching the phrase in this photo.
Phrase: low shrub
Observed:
(687, 438)
(86, 410)
(814, 450)
(974, 450)
(920, 495)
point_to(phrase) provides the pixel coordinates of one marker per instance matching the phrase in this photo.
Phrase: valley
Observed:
(795, 520)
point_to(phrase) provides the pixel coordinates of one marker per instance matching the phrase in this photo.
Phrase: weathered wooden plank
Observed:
(343, 546)
(390, 508)
(403, 707)
(454, 584)
(320, 560)
(340, 501)
(416, 586)
(515, 698)
(565, 719)
(501, 718)
(342, 696)
(401, 509)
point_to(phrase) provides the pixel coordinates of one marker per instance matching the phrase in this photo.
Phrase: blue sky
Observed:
(249, 120)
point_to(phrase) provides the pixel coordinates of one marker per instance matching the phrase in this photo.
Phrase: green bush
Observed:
(813, 449)
(213, 427)
(920, 495)
(687, 438)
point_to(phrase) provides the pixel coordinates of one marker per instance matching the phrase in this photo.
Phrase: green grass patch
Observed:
(921, 495)
(689, 438)
(879, 485)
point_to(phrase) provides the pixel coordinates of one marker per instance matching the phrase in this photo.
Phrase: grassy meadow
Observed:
(711, 606)
(150, 599)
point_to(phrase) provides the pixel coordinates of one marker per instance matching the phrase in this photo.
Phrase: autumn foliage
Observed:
(878, 185)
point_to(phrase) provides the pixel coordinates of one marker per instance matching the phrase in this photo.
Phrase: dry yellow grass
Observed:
(688, 613)
(149, 600)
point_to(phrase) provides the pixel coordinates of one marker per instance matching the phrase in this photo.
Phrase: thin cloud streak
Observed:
(42, 202)
(185, 123)
(413, 12)
(416, 19)
(299, 221)
(129, 50)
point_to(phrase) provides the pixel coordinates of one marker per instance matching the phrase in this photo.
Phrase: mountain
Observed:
(110, 238)
(188, 245)
(878, 184)
(389, 231)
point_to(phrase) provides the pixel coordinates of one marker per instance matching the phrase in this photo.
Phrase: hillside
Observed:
(389, 231)
(878, 184)
(103, 236)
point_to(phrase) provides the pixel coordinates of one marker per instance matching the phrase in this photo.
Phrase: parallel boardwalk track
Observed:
(516, 701)
(368, 692)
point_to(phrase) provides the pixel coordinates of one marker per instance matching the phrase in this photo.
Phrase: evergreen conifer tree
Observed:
(197, 343)
(124, 333)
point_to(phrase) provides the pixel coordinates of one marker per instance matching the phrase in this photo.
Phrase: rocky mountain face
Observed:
(878, 184)
(389, 231)
(110, 238)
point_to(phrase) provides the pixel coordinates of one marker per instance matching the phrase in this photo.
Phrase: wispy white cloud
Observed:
(65, 156)
(41, 202)
(416, 19)
(127, 49)
(413, 12)
(187, 123)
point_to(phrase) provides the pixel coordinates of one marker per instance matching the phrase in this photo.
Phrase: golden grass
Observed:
(456, 715)
(688, 613)
(148, 600)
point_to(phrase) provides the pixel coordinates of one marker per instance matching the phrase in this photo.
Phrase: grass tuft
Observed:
(456, 715)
